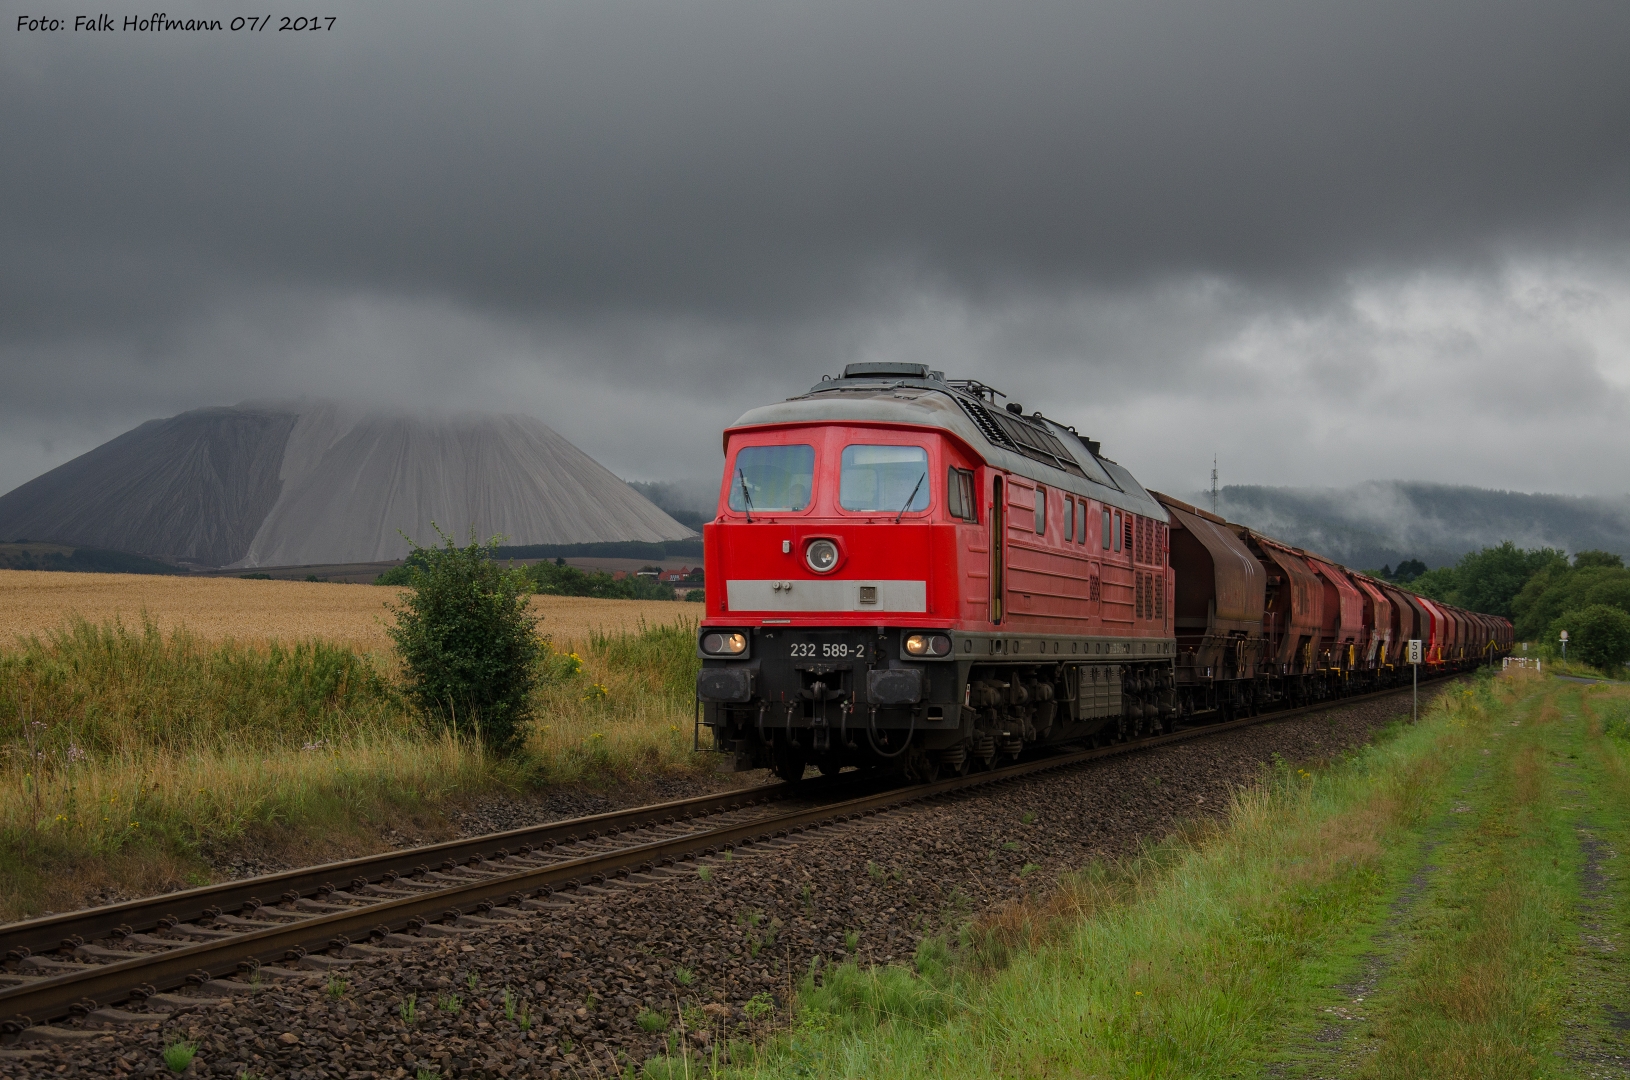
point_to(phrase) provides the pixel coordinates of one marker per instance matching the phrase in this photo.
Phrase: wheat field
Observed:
(219, 609)
(145, 720)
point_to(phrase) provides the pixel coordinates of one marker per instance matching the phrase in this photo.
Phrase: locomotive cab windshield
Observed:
(773, 478)
(884, 478)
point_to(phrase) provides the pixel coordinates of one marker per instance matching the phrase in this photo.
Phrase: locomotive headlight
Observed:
(726, 644)
(821, 556)
(928, 645)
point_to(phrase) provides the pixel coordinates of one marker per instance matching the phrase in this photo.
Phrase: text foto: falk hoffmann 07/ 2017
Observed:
(161, 22)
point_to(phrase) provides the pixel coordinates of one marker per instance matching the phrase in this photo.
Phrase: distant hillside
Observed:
(1383, 522)
(301, 483)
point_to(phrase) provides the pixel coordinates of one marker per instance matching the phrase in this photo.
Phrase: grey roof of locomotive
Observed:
(929, 400)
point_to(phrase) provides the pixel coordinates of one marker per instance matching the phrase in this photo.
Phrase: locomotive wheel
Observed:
(790, 766)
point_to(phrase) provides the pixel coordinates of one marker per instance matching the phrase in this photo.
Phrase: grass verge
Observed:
(128, 756)
(1225, 951)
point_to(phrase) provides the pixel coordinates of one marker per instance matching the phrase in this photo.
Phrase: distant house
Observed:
(681, 576)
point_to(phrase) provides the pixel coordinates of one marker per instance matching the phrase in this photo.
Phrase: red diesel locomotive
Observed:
(902, 571)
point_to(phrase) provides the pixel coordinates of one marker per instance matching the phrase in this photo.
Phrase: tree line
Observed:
(1543, 593)
(558, 579)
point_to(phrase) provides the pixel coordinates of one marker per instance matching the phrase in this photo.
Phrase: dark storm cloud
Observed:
(667, 212)
(727, 156)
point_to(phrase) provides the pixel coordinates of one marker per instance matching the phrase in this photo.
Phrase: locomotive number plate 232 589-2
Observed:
(825, 650)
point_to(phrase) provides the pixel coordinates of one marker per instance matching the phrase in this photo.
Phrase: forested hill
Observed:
(1381, 523)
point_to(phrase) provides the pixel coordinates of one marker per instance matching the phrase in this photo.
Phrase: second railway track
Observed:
(226, 938)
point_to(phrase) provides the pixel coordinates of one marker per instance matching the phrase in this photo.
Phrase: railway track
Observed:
(231, 938)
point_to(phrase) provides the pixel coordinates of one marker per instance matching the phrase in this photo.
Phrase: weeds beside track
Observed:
(131, 754)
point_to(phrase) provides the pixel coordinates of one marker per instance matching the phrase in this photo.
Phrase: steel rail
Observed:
(50, 997)
(49, 932)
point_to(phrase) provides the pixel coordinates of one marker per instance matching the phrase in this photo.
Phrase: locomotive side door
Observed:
(1095, 540)
(998, 548)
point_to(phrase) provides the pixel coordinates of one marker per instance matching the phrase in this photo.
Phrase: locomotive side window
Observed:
(892, 479)
(1069, 518)
(1107, 531)
(959, 500)
(1041, 510)
(1081, 522)
(770, 478)
(1117, 530)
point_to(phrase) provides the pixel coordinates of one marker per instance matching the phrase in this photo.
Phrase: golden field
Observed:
(150, 727)
(218, 609)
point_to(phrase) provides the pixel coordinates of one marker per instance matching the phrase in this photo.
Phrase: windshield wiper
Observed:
(747, 500)
(910, 497)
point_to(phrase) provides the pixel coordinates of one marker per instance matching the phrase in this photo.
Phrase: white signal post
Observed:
(1415, 669)
(1564, 648)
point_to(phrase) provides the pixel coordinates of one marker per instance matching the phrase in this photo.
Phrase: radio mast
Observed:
(1213, 483)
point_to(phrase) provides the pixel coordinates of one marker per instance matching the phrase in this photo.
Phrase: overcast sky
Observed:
(1325, 241)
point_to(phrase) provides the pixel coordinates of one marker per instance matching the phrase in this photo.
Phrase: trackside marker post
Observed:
(1415, 669)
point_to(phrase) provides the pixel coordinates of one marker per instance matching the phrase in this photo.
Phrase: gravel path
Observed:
(705, 942)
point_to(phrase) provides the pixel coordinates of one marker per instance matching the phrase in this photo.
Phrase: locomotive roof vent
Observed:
(894, 370)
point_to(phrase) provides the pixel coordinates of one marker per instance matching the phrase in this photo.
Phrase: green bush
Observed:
(1598, 635)
(468, 640)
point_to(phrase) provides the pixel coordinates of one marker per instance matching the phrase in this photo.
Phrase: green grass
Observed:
(127, 754)
(619, 708)
(110, 689)
(178, 1055)
(1555, 665)
(1482, 968)
(1227, 950)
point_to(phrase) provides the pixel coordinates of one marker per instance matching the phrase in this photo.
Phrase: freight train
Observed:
(903, 572)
